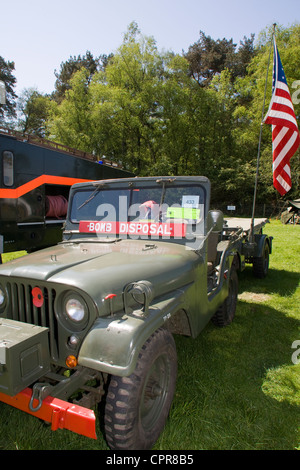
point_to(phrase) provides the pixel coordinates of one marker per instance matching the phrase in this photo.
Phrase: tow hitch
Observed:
(59, 413)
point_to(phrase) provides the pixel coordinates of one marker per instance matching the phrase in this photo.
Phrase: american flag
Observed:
(285, 132)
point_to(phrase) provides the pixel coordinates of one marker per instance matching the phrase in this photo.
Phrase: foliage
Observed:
(208, 57)
(8, 110)
(70, 121)
(73, 65)
(145, 109)
(34, 110)
(145, 112)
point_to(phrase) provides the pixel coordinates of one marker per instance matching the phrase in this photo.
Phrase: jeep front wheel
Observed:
(137, 406)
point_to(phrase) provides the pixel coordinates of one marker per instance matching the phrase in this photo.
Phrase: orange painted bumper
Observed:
(61, 414)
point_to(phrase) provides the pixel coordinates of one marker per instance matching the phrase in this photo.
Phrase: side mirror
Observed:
(215, 219)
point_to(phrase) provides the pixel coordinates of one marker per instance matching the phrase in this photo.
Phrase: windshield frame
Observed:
(85, 194)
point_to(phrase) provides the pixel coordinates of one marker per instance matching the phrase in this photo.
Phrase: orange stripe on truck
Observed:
(36, 182)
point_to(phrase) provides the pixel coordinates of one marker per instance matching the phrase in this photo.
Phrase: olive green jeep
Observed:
(91, 320)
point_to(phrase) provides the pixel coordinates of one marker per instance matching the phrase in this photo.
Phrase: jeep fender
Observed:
(260, 241)
(113, 344)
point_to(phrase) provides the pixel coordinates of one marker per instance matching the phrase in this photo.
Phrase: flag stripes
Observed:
(285, 132)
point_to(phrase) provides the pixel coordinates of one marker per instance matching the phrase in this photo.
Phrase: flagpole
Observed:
(259, 142)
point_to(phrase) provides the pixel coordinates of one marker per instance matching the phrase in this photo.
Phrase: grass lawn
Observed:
(237, 388)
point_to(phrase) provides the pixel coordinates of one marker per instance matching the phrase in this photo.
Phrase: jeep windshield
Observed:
(138, 209)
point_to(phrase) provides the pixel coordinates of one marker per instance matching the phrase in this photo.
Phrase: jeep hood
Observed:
(109, 266)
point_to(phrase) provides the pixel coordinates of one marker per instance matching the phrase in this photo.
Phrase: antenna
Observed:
(251, 237)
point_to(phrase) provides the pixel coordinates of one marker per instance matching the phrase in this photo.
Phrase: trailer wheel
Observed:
(261, 263)
(225, 314)
(137, 406)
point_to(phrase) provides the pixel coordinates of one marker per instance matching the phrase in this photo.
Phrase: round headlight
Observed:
(75, 310)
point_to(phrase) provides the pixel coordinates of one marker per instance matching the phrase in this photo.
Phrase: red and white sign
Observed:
(133, 228)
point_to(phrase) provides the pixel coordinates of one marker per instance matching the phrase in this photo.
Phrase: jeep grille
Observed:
(23, 309)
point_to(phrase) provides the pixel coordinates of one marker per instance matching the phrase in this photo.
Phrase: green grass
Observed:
(237, 386)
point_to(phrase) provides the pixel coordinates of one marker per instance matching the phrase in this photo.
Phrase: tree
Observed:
(145, 111)
(243, 57)
(8, 110)
(73, 65)
(146, 107)
(208, 57)
(34, 109)
(136, 74)
(118, 107)
(69, 122)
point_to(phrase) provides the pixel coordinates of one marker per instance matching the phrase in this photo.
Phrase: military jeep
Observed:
(91, 320)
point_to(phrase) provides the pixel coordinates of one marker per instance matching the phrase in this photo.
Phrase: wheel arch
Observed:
(179, 323)
(113, 344)
(260, 241)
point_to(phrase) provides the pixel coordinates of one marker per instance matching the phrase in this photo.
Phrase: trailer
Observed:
(254, 247)
(35, 179)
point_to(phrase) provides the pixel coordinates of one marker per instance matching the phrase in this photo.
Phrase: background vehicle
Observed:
(35, 180)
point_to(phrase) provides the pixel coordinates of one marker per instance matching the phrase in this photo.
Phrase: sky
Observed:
(38, 35)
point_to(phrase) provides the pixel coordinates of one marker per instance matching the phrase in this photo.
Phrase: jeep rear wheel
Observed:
(137, 406)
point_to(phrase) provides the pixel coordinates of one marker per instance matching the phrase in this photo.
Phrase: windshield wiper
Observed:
(99, 186)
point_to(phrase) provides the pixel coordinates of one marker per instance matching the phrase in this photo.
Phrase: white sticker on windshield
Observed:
(190, 201)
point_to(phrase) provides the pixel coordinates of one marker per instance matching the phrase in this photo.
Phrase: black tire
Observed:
(225, 314)
(261, 264)
(137, 406)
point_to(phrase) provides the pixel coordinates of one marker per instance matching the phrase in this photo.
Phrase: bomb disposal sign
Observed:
(152, 229)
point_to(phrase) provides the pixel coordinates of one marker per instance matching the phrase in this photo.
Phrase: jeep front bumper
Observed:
(24, 359)
(59, 413)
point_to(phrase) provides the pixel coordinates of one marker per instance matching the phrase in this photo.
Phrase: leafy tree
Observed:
(73, 65)
(136, 75)
(145, 110)
(34, 109)
(118, 108)
(8, 110)
(69, 122)
(243, 56)
(208, 57)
